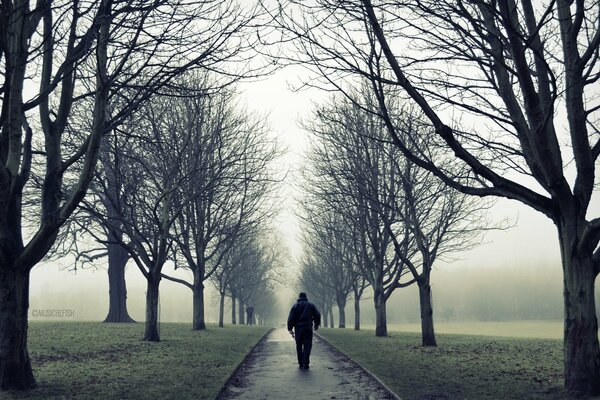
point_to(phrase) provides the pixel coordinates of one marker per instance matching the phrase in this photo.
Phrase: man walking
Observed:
(302, 316)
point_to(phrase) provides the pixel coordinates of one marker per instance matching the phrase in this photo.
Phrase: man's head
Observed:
(302, 295)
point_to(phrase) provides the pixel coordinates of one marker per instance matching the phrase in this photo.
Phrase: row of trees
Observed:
(375, 219)
(186, 188)
(509, 91)
(248, 275)
(73, 74)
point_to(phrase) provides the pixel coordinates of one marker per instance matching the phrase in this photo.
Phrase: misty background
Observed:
(515, 274)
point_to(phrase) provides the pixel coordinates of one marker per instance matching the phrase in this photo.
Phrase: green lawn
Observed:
(523, 329)
(461, 367)
(86, 360)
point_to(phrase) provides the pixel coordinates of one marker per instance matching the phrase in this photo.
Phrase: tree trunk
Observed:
(325, 319)
(356, 313)
(117, 289)
(331, 320)
(233, 310)
(342, 311)
(198, 322)
(427, 333)
(15, 365)
(582, 354)
(380, 315)
(241, 312)
(151, 331)
(222, 309)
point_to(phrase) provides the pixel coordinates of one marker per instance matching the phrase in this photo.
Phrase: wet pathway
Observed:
(271, 372)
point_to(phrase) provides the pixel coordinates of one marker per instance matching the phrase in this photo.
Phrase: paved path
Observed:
(271, 372)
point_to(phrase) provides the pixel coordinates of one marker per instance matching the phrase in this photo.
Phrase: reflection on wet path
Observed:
(272, 372)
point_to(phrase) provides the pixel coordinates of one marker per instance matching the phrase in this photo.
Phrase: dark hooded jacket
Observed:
(302, 315)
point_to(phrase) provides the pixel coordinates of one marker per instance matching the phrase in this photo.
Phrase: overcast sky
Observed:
(533, 240)
(531, 243)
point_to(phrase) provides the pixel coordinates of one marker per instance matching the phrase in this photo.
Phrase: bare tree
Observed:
(223, 275)
(154, 171)
(265, 304)
(117, 255)
(441, 220)
(326, 238)
(356, 178)
(311, 280)
(246, 272)
(423, 218)
(513, 70)
(256, 274)
(76, 52)
(231, 189)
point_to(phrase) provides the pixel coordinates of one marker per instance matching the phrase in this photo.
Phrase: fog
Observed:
(499, 293)
(513, 274)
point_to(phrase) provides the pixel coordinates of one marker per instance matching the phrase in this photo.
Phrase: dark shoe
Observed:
(300, 366)
(306, 367)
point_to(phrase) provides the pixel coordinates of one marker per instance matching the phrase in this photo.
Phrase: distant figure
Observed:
(250, 315)
(301, 318)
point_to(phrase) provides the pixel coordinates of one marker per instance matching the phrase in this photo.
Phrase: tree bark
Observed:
(356, 313)
(117, 289)
(151, 331)
(427, 332)
(15, 365)
(380, 314)
(331, 320)
(582, 354)
(198, 322)
(342, 311)
(325, 319)
(241, 312)
(221, 309)
(233, 311)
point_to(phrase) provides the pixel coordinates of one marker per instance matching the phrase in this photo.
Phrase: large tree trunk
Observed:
(380, 315)
(15, 365)
(241, 312)
(233, 310)
(331, 320)
(221, 309)
(427, 333)
(325, 319)
(151, 331)
(356, 312)
(198, 322)
(342, 310)
(117, 289)
(582, 354)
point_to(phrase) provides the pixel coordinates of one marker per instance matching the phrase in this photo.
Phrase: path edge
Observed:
(235, 371)
(372, 375)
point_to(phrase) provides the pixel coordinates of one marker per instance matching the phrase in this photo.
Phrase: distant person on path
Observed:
(250, 315)
(302, 316)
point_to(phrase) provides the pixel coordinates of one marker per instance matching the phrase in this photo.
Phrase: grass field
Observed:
(86, 360)
(521, 329)
(461, 367)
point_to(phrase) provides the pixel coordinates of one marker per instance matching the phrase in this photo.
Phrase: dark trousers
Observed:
(303, 345)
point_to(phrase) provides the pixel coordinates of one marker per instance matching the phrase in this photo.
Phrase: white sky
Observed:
(532, 243)
(533, 240)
